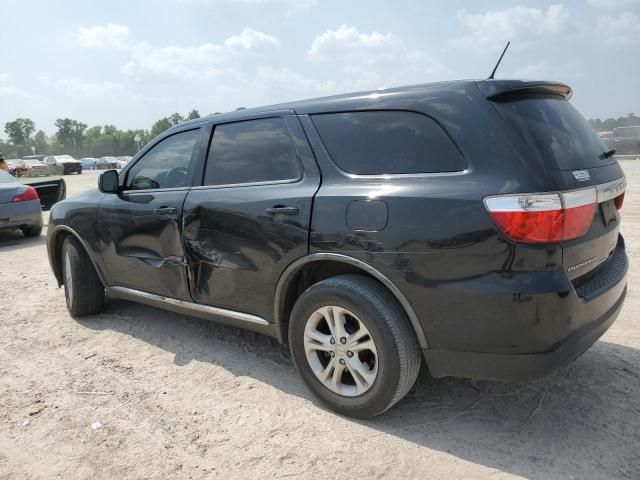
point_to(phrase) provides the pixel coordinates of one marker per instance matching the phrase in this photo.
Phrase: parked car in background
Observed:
(106, 163)
(14, 164)
(40, 158)
(67, 162)
(33, 168)
(19, 206)
(123, 162)
(605, 137)
(626, 140)
(474, 225)
(89, 163)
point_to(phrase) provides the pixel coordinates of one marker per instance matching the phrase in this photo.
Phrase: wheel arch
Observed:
(55, 241)
(287, 291)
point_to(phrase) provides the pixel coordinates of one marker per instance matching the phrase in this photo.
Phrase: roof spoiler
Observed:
(494, 89)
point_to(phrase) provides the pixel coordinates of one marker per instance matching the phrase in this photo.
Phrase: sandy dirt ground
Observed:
(178, 397)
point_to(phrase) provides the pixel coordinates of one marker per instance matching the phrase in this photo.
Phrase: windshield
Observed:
(555, 132)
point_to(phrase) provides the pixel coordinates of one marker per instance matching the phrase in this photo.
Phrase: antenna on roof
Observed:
(499, 60)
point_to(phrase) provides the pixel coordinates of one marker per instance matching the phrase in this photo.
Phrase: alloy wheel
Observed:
(340, 351)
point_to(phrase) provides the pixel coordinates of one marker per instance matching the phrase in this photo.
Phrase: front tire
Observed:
(83, 289)
(353, 345)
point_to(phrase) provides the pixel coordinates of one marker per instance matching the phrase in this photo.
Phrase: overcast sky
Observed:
(127, 62)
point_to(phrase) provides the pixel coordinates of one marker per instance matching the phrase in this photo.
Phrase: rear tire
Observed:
(83, 289)
(32, 231)
(391, 361)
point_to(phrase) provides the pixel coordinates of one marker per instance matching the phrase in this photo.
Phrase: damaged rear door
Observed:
(250, 217)
(140, 227)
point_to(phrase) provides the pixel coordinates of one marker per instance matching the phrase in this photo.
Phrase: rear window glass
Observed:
(555, 132)
(252, 151)
(387, 142)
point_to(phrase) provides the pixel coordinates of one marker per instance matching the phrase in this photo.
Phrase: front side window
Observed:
(168, 164)
(387, 142)
(252, 151)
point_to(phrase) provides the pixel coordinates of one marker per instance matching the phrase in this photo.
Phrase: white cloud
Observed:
(4, 77)
(175, 62)
(492, 29)
(348, 41)
(621, 30)
(535, 71)
(99, 36)
(249, 39)
(611, 4)
(371, 60)
(259, 9)
(201, 61)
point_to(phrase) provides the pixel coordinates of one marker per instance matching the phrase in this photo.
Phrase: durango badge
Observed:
(581, 175)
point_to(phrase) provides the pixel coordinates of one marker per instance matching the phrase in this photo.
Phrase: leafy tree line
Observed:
(630, 120)
(76, 138)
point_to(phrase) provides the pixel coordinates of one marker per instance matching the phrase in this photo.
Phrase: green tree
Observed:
(630, 120)
(9, 150)
(41, 143)
(160, 126)
(176, 118)
(193, 114)
(70, 134)
(20, 131)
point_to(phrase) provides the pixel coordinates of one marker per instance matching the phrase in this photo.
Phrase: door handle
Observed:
(165, 211)
(282, 210)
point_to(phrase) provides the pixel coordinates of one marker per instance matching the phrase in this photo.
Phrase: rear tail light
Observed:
(619, 200)
(29, 194)
(543, 217)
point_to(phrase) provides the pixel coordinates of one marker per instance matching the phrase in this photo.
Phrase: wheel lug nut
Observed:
(333, 354)
(332, 341)
(343, 340)
(342, 361)
(349, 353)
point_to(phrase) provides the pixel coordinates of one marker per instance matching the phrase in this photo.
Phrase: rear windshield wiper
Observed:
(605, 155)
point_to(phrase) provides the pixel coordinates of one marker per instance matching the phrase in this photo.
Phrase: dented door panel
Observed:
(142, 247)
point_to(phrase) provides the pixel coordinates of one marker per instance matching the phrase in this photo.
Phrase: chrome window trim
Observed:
(154, 190)
(250, 184)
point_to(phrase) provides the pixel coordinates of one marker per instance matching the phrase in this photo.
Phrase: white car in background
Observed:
(107, 163)
(67, 162)
(123, 162)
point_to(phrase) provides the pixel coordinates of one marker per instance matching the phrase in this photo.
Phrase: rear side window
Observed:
(387, 142)
(555, 132)
(252, 151)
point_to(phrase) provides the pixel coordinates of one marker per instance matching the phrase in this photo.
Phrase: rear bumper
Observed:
(20, 214)
(68, 168)
(569, 321)
(521, 367)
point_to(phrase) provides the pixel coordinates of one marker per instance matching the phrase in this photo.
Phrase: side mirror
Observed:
(109, 182)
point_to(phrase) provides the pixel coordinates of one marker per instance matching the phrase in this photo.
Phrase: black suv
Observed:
(474, 223)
